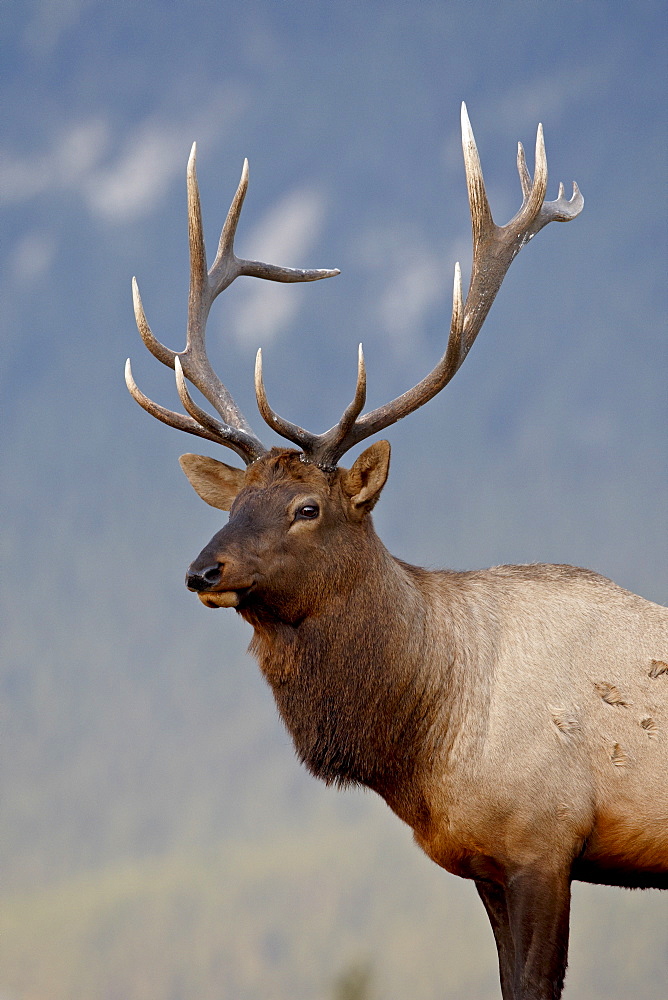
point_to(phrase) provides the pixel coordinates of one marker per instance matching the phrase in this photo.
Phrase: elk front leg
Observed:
(494, 898)
(529, 916)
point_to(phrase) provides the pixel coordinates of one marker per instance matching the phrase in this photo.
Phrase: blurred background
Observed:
(158, 839)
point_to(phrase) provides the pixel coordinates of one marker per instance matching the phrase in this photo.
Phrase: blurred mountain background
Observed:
(158, 840)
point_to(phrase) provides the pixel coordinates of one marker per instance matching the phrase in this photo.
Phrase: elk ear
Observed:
(216, 483)
(366, 479)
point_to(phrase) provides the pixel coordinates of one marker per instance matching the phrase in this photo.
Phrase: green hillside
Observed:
(294, 917)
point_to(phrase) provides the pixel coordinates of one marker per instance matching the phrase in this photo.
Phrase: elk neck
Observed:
(358, 684)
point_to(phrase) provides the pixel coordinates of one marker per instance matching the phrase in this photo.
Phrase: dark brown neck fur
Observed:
(352, 683)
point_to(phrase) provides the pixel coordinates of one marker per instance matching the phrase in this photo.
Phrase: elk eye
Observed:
(308, 512)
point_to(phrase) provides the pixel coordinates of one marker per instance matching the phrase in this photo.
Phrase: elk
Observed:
(516, 717)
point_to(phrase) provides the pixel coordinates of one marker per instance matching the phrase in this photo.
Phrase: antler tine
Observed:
(534, 196)
(193, 362)
(157, 349)
(194, 359)
(563, 209)
(481, 215)
(323, 449)
(226, 259)
(523, 171)
(353, 410)
(225, 256)
(293, 432)
(241, 442)
(171, 417)
(494, 249)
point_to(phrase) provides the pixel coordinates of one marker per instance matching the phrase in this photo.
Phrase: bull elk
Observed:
(516, 717)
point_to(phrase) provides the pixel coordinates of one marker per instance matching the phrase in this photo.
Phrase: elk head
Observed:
(295, 531)
(296, 518)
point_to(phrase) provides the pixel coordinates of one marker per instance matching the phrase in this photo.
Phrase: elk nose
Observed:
(204, 579)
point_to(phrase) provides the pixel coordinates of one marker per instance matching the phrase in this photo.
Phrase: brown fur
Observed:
(513, 717)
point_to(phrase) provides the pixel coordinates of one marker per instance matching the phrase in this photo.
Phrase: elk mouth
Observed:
(220, 599)
(224, 598)
(211, 587)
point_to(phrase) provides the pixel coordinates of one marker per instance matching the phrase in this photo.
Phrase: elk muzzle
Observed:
(208, 582)
(204, 580)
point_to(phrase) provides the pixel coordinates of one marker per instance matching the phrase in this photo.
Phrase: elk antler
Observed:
(494, 248)
(193, 363)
